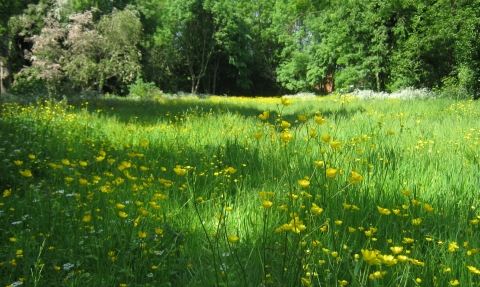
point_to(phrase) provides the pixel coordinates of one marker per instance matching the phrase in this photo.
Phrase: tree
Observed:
(85, 54)
(8, 9)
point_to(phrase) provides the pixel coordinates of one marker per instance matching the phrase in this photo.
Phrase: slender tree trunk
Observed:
(1, 78)
(215, 71)
(4, 71)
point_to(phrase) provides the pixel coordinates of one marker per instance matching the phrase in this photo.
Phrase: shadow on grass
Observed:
(151, 111)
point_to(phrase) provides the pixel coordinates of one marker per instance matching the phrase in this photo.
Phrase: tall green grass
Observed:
(328, 191)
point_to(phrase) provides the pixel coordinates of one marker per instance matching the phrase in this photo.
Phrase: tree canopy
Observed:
(240, 47)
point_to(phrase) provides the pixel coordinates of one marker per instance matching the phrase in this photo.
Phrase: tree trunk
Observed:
(2, 88)
(4, 71)
(215, 72)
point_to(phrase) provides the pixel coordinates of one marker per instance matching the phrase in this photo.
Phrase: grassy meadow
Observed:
(233, 191)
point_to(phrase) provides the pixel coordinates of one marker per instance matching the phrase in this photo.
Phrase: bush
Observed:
(142, 89)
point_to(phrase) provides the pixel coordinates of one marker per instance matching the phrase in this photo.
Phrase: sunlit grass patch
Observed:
(240, 191)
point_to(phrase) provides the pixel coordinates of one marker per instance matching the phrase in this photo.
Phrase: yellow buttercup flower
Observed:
(319, 163)
(264, 116)
(342, 282)
(407, 240)
(406, 192)
(320, 120)
(416, 221)
(286, 137)
(384, 211)
(416, 262)
(316, 209)
(305, 282)
(142, 234)
(355, 178)
(474, 270)
(286, 101)
(122, 214)
(285, 124)
(370, 256)
(454, 282)
(266, 193)
(335, 144)
(302, 118)
(18, 162)
(402, 258)
(26, 173)
(267, 203)
(257, 135)
(7, 192)
(415, 202)
(232, 238)
(453, 246)
(282, 207)
(428, 207)
(180, 171)
(304, 183)
(326, 138)
(377, 275)
(388, 260)
(331, 172)
(396, 249)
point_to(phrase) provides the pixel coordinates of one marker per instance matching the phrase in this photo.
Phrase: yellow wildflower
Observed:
(264, 116)
(428, 207)
(232, 238)
(396, 249)
(316, 209)
(180, 171)
(286, 137)
(304, 183)
(335, 144)
(285, 124)
(320, 120)
(267, 203)
(454, 282)
(355, 178)
(7, 192)
(26, 173)
(453, 246)
(384, 211)
(331, 172)
(286, 101)
(416, 221)
(370, 257)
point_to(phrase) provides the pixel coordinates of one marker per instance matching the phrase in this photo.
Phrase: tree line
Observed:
(239, 47)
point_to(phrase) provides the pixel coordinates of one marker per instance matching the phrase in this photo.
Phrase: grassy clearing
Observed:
(329, 191)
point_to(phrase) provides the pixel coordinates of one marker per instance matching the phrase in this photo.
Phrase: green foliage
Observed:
(256, 47)
(85, 54)
(143, 90)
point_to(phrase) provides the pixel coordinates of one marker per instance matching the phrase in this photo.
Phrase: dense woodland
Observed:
(239, 47)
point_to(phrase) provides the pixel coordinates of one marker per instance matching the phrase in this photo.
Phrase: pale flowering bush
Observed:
(408, 93)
